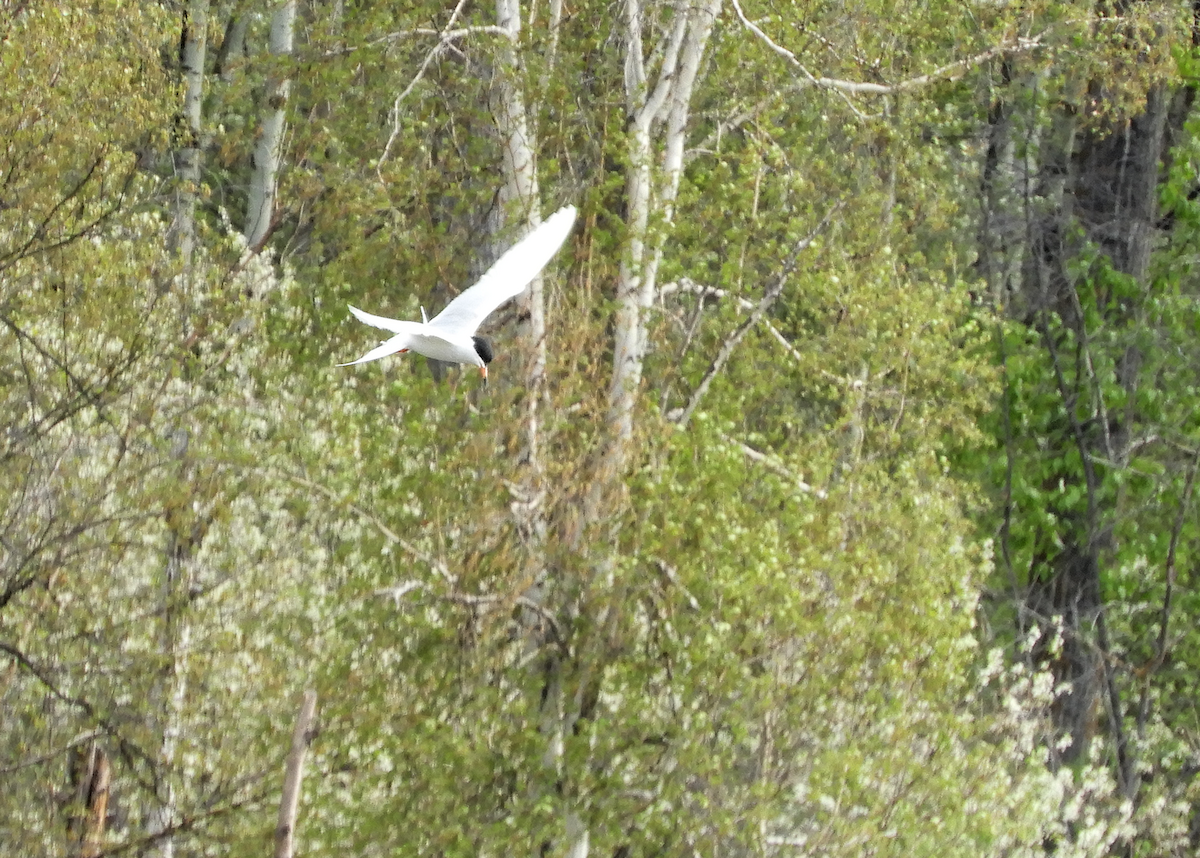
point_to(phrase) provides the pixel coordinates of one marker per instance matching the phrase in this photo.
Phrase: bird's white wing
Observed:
(403, 340)
(396, 326)
(508, 277)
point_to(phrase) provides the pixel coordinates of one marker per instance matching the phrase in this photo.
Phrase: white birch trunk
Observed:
(168, 697)
(195, 46)
(521, 193)
(650, 196)
(289, 802)
(169, 692)
(260, 208)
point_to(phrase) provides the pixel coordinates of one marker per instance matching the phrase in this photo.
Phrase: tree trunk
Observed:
(90, 776)
(260, 208)
(521, 194)
(285, 830)
(192, 58)
(169, 693)
(650, 197)
(1093, 187)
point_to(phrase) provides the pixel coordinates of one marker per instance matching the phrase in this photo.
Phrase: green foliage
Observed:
(84, 94)
(768, 644)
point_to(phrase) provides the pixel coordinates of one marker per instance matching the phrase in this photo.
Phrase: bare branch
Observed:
(683, 415)
(400, 590)
(445, 37)
(293, 773)
(672, 574)
(950, 71)
(686, 284)
(771, 463)
(41, 759)
(436, 565)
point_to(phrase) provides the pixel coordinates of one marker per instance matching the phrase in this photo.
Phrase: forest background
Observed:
(833, 493)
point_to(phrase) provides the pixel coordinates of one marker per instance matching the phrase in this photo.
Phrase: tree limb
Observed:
(1160, 645)
(686, 284)
(771, 463)
(681, 416)
(293, 773)
(445, 37)
(950, 71)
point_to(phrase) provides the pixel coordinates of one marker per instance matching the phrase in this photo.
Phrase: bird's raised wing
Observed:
(508, 277)
(396, 326)
(401, 342)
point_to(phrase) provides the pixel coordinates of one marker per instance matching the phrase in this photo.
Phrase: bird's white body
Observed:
(450, 335)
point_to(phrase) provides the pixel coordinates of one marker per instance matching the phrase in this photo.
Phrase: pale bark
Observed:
(521, 194)
(650, 197)
(170, 690)
(169, 695)
(192, 58)
(285, 830)
(951, 71)
(260, 208)
(659, 108)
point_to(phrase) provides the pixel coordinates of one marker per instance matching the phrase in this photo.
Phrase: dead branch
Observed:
(293, 773)
(681, 416)
(950, 71)
(773, 464)
(686, 284)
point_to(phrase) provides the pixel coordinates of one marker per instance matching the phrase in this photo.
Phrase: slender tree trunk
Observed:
(260, 208)
(169, 694)
(521, 194)
(651, 185)
(289, 803)
(91, 776)
(650, 191)
(192, 58)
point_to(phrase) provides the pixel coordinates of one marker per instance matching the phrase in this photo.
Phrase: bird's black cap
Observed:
(484, 349)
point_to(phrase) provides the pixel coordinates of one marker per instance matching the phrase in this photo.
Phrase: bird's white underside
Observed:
(448, 335)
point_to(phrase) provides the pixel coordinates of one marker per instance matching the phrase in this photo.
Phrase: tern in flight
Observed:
(450, 335)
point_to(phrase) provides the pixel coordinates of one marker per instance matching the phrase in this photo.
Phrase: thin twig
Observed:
(773, 464)
(1160, 646)
(950, 71)
(436, 565)
(682, 416)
